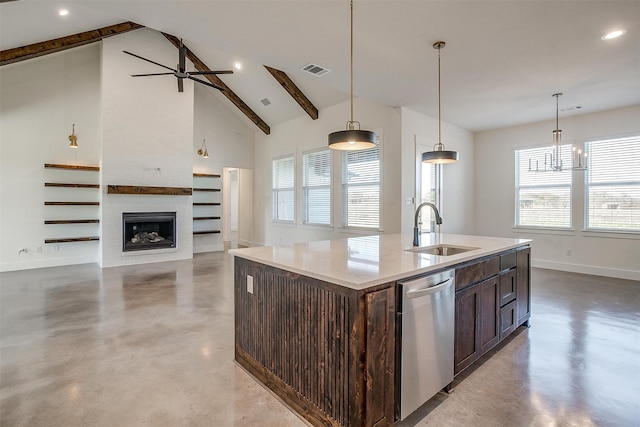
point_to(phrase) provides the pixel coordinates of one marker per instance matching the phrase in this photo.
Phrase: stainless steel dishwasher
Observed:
(427, 315)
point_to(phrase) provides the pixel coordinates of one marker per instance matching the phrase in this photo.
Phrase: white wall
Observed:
(230, 144)
(457, 187)
(495, 198)
(39, 101)
(303, 134)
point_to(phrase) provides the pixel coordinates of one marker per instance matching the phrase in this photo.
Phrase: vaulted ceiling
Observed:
(502, 62)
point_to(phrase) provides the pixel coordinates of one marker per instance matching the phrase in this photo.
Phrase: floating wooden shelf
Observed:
(72, 239)
(207, 189)
(205, 218)
(60, 184)
(74, 167)
(206, 204)
(158, 191)
(72, 203)
(207, 175)
(207, 232)
(72, 221)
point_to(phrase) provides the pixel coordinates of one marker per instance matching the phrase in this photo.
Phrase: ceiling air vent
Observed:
(265, 102)
(315, 69)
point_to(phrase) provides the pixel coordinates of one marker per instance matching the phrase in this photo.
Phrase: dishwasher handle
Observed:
(419, 292)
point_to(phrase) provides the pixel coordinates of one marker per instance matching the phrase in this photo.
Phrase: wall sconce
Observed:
(203, 150)
(73, 138)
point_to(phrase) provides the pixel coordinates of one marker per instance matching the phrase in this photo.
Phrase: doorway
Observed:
(237, 207)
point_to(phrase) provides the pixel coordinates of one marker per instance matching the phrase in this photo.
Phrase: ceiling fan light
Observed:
(352, 139)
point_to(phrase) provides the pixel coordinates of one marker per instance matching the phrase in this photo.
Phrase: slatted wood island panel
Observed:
(327, 350)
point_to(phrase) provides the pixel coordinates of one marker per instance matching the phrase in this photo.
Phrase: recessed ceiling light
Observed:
(613, 34)
(238, 66)
(63, 12)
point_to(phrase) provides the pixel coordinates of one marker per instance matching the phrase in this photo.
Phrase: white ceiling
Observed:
(502, 62)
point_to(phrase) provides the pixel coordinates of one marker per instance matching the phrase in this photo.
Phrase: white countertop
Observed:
(363, 262)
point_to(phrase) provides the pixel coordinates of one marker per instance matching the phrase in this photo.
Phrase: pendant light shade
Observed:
(352, 138)
(439, 155)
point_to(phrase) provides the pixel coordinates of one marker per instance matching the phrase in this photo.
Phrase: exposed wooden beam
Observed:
(231, 95)
(35, 50)
(294, 91)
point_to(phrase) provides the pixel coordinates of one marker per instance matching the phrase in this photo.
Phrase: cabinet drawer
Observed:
(477, 272)
(508, 320)
(507, 287)
(508, 261)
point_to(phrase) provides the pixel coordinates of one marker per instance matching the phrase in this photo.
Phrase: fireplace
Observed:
(143, 231)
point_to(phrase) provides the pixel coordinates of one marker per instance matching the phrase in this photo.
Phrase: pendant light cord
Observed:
(351, 63)
(439, 107)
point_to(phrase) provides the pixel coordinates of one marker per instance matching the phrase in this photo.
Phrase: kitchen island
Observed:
(316, 322)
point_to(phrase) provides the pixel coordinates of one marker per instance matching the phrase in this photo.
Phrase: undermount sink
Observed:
(441, 250)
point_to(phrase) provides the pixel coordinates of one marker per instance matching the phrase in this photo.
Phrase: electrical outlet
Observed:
(249, 284)
(569, 252)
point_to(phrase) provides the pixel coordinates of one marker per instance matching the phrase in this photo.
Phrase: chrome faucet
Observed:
(416, 231)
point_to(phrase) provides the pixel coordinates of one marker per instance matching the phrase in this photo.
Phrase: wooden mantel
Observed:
(140, 189)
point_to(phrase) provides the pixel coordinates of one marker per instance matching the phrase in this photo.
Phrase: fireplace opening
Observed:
(148, 230)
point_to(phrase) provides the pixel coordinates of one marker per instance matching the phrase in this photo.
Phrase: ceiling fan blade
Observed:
(180, 85)
(207, 73)
(182, 52)
(205, 83)
(148, 60)
(152, 74)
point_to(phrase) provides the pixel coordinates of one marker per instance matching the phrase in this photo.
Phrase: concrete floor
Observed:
(153, 345)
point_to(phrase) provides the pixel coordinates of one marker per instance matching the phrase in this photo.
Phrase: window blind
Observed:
(543, 199)
(316, 185)
(361, 188)
(283, 182)
(613, 184)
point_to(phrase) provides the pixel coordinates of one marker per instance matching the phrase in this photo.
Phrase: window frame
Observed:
(304, 188)
(275, 217)
(521, 151)
(344, 187)
(587, 228)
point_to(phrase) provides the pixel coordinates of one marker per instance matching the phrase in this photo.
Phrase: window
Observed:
(543, 199)
(361, 188)
(613, 185)
(283, 179)
(316, 186)
(430, 185)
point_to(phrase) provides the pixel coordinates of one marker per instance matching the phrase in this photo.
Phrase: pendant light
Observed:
(73, 138)
(352, 138)
(553, 161)
(439, 155)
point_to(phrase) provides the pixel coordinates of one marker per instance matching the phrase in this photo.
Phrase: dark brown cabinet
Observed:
(523, 281)
(477, 322)
(492, 300)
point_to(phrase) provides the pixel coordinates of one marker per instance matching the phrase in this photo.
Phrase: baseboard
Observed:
(44, 263)
(587, 269)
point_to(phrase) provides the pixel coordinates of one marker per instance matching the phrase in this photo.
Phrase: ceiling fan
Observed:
(180, 71)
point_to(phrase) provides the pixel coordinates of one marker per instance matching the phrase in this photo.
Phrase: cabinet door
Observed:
(466, 336)
(507, 320)
(488, 322)
(523, 288)
(507, 287)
